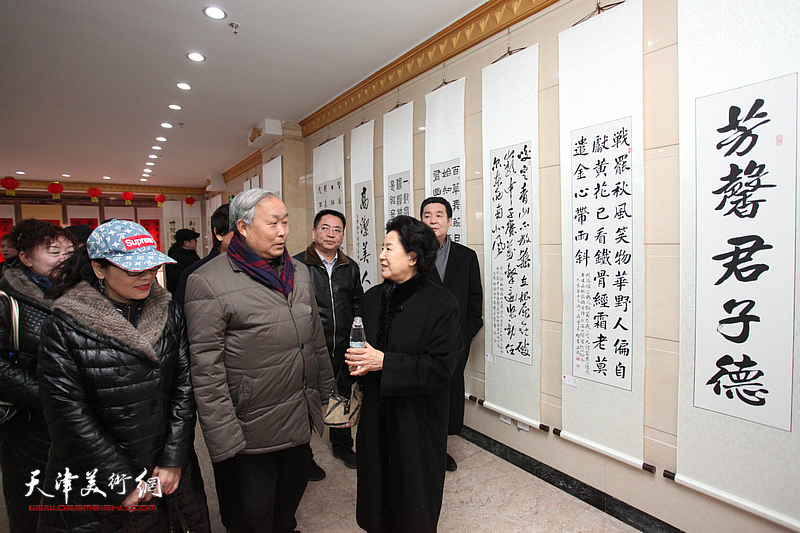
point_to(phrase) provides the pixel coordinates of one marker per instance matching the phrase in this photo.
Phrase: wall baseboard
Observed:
(594, 497)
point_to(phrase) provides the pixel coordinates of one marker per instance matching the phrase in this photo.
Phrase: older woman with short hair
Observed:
(413, 346)
(24, 441)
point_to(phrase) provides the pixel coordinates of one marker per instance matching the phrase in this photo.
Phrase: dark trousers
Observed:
(23, 449)
(260, 493)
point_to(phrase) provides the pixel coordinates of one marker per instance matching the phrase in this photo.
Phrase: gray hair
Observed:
(243, 207)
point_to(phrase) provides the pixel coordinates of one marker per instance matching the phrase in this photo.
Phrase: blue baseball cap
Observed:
(126, 244)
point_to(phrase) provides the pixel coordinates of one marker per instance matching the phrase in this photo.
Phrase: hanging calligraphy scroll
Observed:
(602, 225)
(329, 195)
(329, 177)
(444, 150)
(172, 213)
(398, 162)
(746, 169)
(511, 265)
(602, 213)
(272, 173)
(739, 407)
(511, 250)
(362, 195)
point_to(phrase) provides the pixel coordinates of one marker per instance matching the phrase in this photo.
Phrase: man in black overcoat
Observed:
(458, 271)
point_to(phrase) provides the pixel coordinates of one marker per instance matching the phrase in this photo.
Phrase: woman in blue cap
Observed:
(117, 394)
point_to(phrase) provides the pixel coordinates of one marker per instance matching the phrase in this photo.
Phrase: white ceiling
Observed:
(85, 84)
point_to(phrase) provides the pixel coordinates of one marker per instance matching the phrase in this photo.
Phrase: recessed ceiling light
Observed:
(143, 179)
(166, 125)
(20, 173)
(147, 170)
(153, 156)
(176, 107)
(106, 177)
(64, 175)
(156, 147)
(194, 56)
(150, 163)
(184, 86)
(421, 128)
(161, 139)
(215, 13)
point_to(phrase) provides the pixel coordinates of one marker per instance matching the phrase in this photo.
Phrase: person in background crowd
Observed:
(260, 367)
(8, 250)
(116, 391)
(458, 271)
(222, 236)
(337, 287)
(81, 233)
(413, 346)
(24, 441)
(184, 252)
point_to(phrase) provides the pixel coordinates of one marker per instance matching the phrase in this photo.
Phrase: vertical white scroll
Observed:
(512, 259)
(602, 253)
(444, 150)
(362, 194)
(398, 162)
(746, 191)
(723, 450)
(600, 83)
(329, 175)
(272, 174)
(172, 212)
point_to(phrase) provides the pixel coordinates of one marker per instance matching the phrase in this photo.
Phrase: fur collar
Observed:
(312, 257)
(93, 311)
(19, 282)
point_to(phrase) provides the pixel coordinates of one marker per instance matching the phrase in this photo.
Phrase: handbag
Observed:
(9, 413)
(177, 522)
(343, 412)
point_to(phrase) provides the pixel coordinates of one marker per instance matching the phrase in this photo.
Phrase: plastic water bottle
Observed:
(358, 338)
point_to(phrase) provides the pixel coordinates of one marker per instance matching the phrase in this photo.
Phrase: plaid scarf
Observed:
(257, 267)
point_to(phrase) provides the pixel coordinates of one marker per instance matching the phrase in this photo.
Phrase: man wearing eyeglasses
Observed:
(337, 288)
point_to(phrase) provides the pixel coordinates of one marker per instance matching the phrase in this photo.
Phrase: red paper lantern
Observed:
(55, 189)
(189, 201)
(160, 198)
(94, 193)
(9, 183)
(127, 196)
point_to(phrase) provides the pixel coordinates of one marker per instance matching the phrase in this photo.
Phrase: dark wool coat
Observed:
(402, 435)
(117, 399)
(185, 258)
(24, 441)
(462, 277)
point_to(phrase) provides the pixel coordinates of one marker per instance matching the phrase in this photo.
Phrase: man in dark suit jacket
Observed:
(457, 269)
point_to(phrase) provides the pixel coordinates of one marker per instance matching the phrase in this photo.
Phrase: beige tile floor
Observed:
(486, 494)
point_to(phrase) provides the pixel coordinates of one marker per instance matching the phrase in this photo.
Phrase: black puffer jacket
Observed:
(338, 296)
(18, 383)
(117, 399)
(24, 441)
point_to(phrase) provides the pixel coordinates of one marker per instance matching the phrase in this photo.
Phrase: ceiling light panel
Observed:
(214, 13)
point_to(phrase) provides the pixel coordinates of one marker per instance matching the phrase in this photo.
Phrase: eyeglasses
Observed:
(328, 229)
(153, 270)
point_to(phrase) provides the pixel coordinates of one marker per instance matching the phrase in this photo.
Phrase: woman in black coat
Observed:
(413, 345)
(24, 441)
(116, 391)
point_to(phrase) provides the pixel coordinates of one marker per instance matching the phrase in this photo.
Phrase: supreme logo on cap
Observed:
(137, 241)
